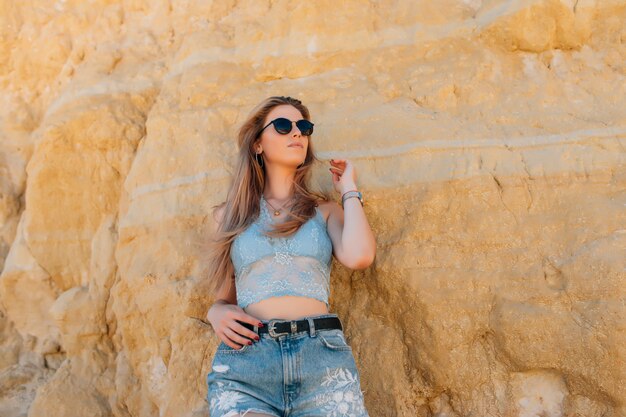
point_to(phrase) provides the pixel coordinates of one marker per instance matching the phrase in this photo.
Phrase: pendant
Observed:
(276, 212)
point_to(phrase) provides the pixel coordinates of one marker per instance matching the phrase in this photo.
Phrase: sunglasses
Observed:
(283, 126)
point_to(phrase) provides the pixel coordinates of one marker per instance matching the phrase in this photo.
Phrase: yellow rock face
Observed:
(489, 139)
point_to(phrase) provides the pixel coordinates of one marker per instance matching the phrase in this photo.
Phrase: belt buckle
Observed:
(272, 326)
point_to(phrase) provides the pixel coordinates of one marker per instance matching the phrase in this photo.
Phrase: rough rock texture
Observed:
(489, 139)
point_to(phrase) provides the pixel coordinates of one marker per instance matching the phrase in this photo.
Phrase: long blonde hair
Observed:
(242, 204)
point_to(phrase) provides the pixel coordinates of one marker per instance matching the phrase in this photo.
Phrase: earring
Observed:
(256, 156)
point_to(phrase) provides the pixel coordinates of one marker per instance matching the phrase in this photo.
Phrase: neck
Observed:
(279, 183)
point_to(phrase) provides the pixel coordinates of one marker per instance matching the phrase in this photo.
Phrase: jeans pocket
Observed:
(333, 339)
(224, 348)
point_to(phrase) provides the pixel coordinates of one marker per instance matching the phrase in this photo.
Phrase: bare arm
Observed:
(354, 244)
(225, 315)
(227, 293)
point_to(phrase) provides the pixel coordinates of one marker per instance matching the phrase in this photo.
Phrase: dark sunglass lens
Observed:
(306, 127)
(283, 126)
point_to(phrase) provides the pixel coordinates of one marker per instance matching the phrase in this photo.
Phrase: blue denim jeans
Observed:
(304, 374)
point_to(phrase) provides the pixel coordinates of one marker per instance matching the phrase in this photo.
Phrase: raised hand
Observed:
(344, 175)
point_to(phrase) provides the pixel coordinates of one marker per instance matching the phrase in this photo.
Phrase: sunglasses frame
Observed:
(290, 126)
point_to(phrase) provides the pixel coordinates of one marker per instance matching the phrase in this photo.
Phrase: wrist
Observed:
(218, 302)
(348, 187)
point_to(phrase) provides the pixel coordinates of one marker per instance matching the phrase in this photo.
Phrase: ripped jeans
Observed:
(303, 374)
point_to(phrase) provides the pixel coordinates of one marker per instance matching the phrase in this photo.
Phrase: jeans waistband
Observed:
(315, 316)
(311, 331)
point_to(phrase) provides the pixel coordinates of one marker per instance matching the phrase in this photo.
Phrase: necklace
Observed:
(276, 211)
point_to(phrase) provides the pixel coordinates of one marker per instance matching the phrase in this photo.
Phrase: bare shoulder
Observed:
(330, 208)
(333, 215)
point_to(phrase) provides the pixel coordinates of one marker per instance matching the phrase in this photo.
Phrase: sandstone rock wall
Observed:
(489, 140)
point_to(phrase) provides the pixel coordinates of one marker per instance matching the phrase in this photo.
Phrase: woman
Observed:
(282, 351)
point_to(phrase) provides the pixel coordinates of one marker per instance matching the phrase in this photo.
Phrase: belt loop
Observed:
(311, 326)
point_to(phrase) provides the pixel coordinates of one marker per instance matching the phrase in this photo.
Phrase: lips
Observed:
(296, 144)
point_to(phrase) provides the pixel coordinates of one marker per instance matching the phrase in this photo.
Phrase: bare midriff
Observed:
(286, 307)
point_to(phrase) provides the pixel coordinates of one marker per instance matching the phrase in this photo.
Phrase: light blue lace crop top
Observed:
(270, 267)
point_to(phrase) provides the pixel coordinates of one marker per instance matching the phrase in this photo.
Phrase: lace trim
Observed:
(283, 271)
(267, 216)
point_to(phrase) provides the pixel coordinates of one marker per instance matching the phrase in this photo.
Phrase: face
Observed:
(275, 147)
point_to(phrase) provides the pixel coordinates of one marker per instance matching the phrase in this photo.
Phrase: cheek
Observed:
(271, 148)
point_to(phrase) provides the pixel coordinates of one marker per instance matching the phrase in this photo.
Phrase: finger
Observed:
(228, 342)
(337, 163)
(247, 318)
(235, 338)
(244, 331)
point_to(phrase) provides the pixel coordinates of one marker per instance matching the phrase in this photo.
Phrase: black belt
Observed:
(277, 327)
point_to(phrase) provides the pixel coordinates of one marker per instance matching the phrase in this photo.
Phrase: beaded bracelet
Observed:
(350, 194)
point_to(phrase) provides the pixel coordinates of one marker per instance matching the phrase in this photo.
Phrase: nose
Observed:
(296, 129)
